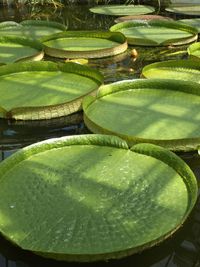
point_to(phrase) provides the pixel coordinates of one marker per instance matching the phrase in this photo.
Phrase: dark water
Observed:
(183, 248)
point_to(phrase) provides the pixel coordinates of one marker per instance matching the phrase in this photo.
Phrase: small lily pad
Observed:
(67, 199)
(156, 32)
(192, 10)
(34, 29)
(85, 44)
(164, 112)
(122, 10)
(173, 69)
(13, 49)
(44, 90)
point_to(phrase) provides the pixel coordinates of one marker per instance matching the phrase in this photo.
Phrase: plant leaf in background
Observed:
(173, 69)
(67, 198)
(14, 48)
(164, 112)
(122, 10)
(45, 90)
(85, 44)
(156, 32)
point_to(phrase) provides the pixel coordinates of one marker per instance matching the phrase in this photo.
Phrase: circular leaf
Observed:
(156, 32)
(84, 44)
(68, 199)
(173, 69)
(122, 10)
(44, 90)
(13, 49)
(164, 112)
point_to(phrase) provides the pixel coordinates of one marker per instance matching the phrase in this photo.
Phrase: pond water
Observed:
(183, 248)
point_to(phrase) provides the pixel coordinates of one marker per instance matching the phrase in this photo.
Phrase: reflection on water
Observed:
(183, 249)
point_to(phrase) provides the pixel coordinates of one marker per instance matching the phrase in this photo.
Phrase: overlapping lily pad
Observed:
(122, 10)
(173, 69)
(194, 50)
(192, 22)
(13, 49)
(34, 29)
(164, 112)
(44, 90)
(156, 32)
(141, 17)
(68, 199)
(85, 44)
(192, 10)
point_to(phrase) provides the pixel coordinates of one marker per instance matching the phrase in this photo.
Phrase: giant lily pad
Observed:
(34, 29)
(78, 44)
(192, 22)
(156, 32)
(13, 49)
(122, 10)
(194, 50)
(173, 69)
(68, 199)
(192, 10)
(164, 112)
(44, 90)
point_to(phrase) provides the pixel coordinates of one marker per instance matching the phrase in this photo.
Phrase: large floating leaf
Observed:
(156, 32)
(122, 10)
(14, 49)
(87, 198)
(164, 112)
(173, 69)
(44, 90)
(34, 29)
(192, 22)
(78, 44)
(194, 50)
(185, 9)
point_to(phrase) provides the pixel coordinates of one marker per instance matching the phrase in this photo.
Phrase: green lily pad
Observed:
(164, 112)
(156, 32)
(34, 29)
(79, 44)
(194, 50)
(67, 198)
(192, 22)
(13, 49)
(44, 90)
(122, 10)
(173, 69)
(185, 9)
